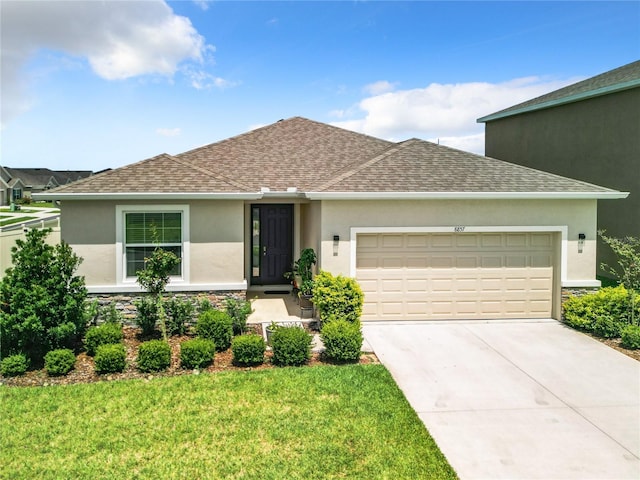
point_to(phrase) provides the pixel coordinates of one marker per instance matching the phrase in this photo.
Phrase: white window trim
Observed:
(121, 210)
(562, 229)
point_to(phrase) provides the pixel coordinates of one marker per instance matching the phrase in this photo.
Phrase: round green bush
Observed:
(59, 362)
(147, 315)
(110, 358)
(154, 356)
(291, 346)
(102, 335)
(631, 337)
(14, 365)
(248, 349)
(216, 325)
(342, 340)
(197, 353)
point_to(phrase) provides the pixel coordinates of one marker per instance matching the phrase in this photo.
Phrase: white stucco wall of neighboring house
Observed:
(568, 217)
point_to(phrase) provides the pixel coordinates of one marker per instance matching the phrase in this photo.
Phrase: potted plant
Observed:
(303, 267)
(270, 329)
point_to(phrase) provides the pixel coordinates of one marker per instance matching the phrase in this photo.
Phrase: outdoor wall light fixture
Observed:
(581, 239)
(336, 242)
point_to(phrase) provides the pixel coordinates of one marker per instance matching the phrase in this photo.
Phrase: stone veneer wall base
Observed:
(125, 302)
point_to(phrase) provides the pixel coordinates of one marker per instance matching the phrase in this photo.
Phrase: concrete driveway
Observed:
(518, 399)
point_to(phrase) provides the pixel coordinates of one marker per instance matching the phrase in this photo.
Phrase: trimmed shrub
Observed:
(42, 300)
(179, 313)
(216, 325)
(110, 358)
(631, 337)
(342, 340)
(154, 356)
(337, 297)
(291, 346)
(248, 349)
(102, 335)
(197, 352)
(59, 362)
(110, 314)
(14, 365)
(604, 313)
(238, 310)
(147, 315)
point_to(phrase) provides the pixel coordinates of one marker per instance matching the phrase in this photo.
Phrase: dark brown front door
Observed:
(272, 242)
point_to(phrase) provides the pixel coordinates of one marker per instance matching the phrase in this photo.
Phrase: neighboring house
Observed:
(589, 131)
(429, 232)
(19, 183)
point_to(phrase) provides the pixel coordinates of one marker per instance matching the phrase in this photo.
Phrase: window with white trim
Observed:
(139, 241)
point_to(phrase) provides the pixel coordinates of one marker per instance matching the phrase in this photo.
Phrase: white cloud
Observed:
(169, 132)
(378, 88)
(119, 40)
(203, 4)
(444, 111)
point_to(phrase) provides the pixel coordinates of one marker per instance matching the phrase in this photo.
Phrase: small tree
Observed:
(42, 301)
(627, 251)
(155, 276)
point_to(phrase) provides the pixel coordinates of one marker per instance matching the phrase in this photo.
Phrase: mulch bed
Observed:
(84, 371)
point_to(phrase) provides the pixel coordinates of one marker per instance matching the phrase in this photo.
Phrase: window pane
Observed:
(136, 256)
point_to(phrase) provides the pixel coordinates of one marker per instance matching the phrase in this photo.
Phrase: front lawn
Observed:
(294, 423)
(12, 220)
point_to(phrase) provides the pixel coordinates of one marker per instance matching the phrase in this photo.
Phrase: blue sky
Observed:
(93, 85)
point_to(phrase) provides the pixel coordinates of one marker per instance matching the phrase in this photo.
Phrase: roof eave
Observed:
(149, 196)
(598, 92)
(608, 195)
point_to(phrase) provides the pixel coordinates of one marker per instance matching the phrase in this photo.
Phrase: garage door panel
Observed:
(431, 276)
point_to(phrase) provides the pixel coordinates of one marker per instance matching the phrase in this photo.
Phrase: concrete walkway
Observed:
(518, 399)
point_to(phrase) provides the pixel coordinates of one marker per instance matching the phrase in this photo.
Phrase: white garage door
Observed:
(417, 276)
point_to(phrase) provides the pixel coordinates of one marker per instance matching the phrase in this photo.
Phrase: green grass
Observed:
(12, 220)
(294, 423)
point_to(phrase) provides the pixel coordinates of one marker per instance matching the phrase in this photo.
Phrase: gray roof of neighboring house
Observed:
(299, 156)
(622, 78)
(40, 178)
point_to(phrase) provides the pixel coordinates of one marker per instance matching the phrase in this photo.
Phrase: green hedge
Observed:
(102, 335)
(154, 356)
(342, 340)
(337, 297)
(631, 337)
(248, 349)
(197, 353)
(216, 325)
(147, 314)
(291, 346)
(110, 358)
(59, 362)
(14, 365)
(604, 313)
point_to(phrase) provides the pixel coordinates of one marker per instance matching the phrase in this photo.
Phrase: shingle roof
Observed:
(419, 166)
(309, 156)
(622, 78)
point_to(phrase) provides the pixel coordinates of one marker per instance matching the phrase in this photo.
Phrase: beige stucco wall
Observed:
(216, 240)
(90, 229)
(310, 226)
(579, 216)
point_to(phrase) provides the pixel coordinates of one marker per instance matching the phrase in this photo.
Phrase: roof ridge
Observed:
(357, 168)
(213, 174)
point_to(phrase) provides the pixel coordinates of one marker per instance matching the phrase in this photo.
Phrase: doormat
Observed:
(277, 292)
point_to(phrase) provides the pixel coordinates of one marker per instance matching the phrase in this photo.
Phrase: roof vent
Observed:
(265, 189)
(292, 189)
